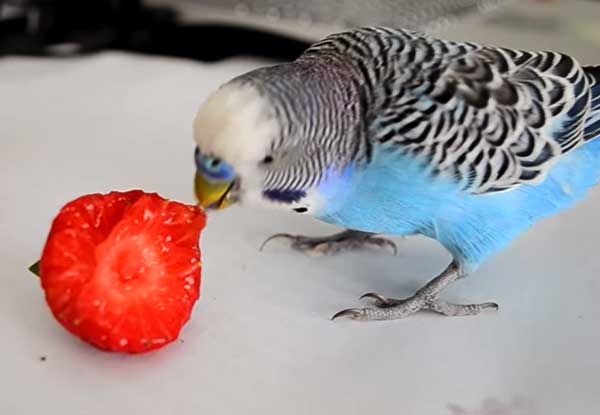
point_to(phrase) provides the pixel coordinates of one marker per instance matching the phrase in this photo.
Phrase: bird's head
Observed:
(235, 131)
(262, 145)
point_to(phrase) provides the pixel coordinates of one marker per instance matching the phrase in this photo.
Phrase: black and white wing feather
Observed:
(492, 118)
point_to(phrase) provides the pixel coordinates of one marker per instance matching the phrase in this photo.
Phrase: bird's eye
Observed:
(214, 167)
(268, 160)
(211, 164)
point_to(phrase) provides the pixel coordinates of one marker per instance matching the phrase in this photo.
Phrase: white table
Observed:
(260, 340)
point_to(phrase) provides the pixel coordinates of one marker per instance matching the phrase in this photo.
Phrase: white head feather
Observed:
(236, 124)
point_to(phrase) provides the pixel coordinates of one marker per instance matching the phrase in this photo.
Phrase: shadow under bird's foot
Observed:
(348, 240)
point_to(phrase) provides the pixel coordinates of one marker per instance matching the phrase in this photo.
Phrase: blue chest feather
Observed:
(394, 195)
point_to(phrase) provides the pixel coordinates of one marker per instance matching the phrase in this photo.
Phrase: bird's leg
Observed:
(427, 298)
(347, 240)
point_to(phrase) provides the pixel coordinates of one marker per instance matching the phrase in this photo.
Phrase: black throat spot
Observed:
(285, 196)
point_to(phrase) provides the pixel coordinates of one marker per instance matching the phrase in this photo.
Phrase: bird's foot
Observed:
(334, 244)
(392, 309)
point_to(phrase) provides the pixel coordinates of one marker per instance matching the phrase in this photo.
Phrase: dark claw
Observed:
(490, 305)
(353, 313)
(392, 245)
(379, 299)
(276, 236)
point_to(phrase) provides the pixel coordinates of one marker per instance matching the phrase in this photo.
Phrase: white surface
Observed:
(260, 340)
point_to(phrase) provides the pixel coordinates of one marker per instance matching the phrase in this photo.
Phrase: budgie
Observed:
(394, 132)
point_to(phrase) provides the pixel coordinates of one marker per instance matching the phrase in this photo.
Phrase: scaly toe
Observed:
(383, 242)
(318, 249)
(333, 244)
(456, 310)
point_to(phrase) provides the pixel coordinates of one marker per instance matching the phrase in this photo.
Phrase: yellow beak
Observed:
(212, 195)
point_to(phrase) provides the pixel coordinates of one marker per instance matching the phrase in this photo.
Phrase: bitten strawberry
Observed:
(122, 270)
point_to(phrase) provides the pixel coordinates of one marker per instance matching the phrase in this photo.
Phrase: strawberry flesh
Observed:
(122, 270)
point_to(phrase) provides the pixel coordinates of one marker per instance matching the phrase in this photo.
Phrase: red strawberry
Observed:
(122, 270)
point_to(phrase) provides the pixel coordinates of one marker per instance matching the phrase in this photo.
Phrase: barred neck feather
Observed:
(324, 119)
(305, 117)
(319, 115)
